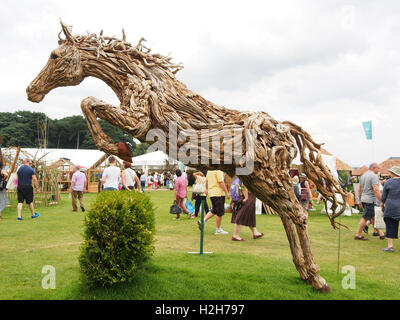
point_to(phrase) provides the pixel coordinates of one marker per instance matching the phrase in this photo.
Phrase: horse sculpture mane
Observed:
(152, 98)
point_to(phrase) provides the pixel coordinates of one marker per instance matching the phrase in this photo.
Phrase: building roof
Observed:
(360, 171)
(387, 164)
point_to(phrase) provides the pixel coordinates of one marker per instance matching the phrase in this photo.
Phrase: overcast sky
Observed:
(325, 65)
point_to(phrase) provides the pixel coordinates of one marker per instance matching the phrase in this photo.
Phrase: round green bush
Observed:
(118, 238)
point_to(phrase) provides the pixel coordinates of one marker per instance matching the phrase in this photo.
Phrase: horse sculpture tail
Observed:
(318, 172)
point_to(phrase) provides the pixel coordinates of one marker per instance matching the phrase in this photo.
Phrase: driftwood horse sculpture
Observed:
(151, 98)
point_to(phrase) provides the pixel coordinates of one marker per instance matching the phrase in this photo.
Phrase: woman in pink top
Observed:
(180, 192)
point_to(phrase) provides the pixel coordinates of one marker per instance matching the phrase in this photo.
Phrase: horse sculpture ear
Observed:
(67, 31)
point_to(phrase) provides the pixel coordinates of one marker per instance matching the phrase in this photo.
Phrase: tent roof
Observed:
(360, 171)
(81, 157)
(340, 165)
(387, 164)
(157, 158)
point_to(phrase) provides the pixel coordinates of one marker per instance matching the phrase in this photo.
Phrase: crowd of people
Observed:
(212, 184)
(385, 193)
(372, 193)
(302, 190)
(206, 184)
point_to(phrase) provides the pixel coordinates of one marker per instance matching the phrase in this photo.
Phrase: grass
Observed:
(253, 269)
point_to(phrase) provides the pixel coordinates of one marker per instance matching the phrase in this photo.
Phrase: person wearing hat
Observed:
(390, 203)
(305, 191)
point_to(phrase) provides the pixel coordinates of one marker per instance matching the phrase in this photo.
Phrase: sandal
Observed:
(258, 236)
(360, 238)
(236, 239)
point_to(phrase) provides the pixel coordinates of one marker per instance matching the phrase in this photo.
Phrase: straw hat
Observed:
(395, 170)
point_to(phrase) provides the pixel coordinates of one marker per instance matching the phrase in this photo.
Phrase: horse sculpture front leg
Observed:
(297, 253)
(307, 261)
(94, 108)
(313, 276)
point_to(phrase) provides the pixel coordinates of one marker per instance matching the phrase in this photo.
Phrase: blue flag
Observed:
(368, 129)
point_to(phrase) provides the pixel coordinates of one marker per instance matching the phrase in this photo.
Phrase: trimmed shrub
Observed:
(118, 237)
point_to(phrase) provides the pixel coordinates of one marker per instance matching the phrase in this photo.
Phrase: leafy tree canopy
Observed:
(30, 129)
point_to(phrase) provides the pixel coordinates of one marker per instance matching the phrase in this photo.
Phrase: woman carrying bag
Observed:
(243, 210)
(305, 191)
(199, 191)
(181, 194)
(390, 202)
(3, 190)
(129, 177)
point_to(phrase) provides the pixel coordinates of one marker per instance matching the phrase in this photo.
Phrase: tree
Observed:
(24, 128)
(140, 149)
(21, 128)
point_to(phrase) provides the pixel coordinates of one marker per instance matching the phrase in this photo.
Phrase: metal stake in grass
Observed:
(201, 232)
(338, 254)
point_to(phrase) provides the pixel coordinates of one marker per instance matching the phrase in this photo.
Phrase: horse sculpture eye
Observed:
(54, 55)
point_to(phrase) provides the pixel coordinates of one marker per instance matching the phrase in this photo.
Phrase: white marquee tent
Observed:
(153, 160)
(81, 157)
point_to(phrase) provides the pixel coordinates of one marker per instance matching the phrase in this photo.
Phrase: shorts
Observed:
(369, 210)
(25, 193)
(392, 228)
(110, 189)
(218, 205)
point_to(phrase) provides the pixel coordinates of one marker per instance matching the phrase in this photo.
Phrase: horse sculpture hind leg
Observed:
(303, 257)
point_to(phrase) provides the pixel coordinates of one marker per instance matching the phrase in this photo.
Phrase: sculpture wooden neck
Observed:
(104, 69)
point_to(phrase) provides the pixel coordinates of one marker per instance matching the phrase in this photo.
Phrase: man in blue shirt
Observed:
(26, 174)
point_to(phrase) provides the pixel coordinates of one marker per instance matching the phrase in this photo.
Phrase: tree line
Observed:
(34, 129)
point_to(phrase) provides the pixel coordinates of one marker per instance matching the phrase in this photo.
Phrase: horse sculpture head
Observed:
(64, 68)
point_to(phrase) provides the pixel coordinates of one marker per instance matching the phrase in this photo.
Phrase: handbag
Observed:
(189, 206)
(304, 194)
(379, 222)
(175, 209)
(12, 182)
(3, 183)
(199, 188)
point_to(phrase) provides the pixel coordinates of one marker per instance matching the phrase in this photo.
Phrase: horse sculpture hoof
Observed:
(325, 289)
(124, 151)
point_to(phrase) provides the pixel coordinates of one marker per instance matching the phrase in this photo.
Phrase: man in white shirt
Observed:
(111, 175)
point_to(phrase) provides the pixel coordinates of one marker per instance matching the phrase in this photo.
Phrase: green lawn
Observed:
(254, 269)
